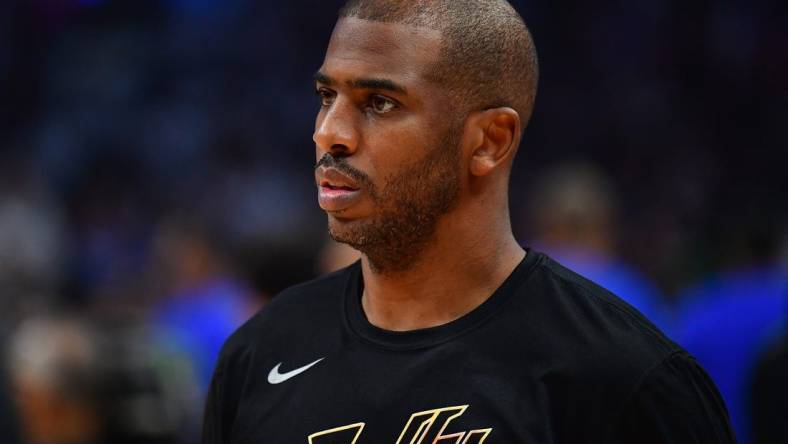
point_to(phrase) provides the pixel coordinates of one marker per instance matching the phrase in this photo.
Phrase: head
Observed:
(423, 104)
(50, 368)
(79, 381)
(574, 206)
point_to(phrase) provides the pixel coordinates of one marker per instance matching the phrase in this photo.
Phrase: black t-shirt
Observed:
(550, 357)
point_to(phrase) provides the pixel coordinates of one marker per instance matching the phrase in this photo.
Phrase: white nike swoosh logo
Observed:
(274, 377)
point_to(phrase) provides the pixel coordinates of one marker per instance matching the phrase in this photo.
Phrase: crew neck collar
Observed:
(358, 323)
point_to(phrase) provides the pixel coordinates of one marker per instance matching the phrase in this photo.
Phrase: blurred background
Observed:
(156, 190)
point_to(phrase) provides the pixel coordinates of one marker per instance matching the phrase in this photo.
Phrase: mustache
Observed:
(341, 164)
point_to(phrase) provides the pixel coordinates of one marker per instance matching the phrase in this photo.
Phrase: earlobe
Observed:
(481, 162)
(501, 133)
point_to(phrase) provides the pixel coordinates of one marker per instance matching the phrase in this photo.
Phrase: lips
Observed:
(336, 191)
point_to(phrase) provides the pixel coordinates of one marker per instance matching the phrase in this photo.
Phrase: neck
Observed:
(463, 264)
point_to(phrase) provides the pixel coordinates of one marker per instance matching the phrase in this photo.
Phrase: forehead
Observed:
(363, 47)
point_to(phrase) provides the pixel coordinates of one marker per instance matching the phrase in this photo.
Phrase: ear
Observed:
(497, 137)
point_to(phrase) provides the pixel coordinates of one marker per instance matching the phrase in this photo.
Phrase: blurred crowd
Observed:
(156, 190)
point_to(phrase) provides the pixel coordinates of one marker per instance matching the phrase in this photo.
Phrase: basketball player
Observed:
(446, 330)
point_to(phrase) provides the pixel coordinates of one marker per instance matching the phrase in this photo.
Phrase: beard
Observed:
(410, 203)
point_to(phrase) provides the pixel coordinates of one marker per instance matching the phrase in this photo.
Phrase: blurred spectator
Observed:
(769, 399)
(727, 321)
(203, 301)
(270, 222)
(32, 242)
(573, 216)
(80, 382)
(226, 254)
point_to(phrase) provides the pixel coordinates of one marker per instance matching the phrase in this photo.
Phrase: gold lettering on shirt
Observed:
(333, 436)
(427, 427)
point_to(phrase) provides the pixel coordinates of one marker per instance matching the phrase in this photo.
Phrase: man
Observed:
(572, 215)
(446, 330)
(83, 381)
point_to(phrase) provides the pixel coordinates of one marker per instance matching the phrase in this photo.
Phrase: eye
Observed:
(382, 105)
(326, 96)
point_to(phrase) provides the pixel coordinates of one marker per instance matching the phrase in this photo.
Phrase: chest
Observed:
(352, 395)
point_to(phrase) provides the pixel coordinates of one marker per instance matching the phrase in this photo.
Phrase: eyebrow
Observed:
(368, 83)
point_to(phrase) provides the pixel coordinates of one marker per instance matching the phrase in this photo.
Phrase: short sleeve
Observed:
(675, 402)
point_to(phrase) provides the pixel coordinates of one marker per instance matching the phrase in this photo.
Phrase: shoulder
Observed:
(591, 343)
(301, 308)
(596, 310)
(586, 329)
(674, 401)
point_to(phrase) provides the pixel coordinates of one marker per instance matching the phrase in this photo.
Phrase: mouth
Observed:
(328, 186)
(336, 191)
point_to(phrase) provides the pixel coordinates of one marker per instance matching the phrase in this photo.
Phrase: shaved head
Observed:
(423, 103)
(488, 58)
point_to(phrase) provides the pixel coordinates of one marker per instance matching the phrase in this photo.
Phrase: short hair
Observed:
(488, 58)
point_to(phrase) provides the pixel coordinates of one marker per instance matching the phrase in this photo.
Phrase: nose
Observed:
(335, 129)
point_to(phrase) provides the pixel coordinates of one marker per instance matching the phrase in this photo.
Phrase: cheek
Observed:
(392, 145)
(385, 170)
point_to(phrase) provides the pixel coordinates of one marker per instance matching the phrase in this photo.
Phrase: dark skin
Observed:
(382, 114)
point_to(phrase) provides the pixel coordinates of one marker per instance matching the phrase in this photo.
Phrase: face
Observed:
(386, 144)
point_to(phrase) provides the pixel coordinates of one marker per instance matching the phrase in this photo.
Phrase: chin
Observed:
(346, 231)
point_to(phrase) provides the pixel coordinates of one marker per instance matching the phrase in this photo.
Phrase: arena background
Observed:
(156, 189)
